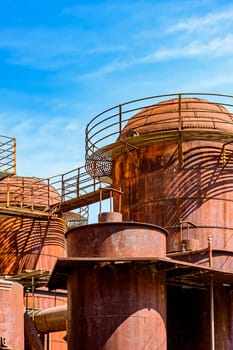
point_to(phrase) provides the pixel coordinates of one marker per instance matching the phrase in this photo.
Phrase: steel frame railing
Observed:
(105, 129)
(42, 194)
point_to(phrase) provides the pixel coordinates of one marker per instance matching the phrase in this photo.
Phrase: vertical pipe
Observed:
(62, 189)
(33, 296)
(48, 341)
(111, 202)
(119, 209)
(8, 193)
(100, 205)
(212, 334)
(180, 145)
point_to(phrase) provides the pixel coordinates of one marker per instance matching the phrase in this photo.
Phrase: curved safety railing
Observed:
(48, 195)
(107, 129)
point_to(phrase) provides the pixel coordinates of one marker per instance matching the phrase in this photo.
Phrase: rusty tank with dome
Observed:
(171, 156)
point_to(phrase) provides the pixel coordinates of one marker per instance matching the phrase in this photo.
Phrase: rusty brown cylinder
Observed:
(179, 169)
(117, 307)
(12, 314)
(109, 217)
(116, 239)
(53, 319)
(190, 244)
(159, 189)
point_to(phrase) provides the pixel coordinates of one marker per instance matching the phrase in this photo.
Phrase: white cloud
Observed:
(198, 23)
(215, 48)
(218, 47)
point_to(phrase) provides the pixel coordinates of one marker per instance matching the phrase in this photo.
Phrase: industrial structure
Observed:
(155, 271)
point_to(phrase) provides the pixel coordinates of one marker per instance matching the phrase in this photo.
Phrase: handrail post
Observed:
(32, 197)
(101, 197)
(180, 145)
(48, 186)
(120, 119)
(8, 193)
(78, 183)
(21, 194)
(62, 188)
(111, 202)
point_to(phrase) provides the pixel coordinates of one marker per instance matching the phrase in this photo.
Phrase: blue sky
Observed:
(63, 62)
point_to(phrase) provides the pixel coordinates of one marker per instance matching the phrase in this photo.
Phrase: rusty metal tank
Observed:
(118, 301)
(30, 238)
(11, 315)
(176, 171)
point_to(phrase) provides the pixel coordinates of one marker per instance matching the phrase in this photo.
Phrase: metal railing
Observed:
(44, 194)
(107, 128)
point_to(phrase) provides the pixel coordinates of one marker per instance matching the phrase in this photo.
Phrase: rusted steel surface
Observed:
(23, 242)
(52, 319)
(164, 117)
(178, 272)
(187, 301)
(32, 341)
(190, 194)
(180, 113)
(183, 185)
(116, 239)
(110, 217)
(221, 259)
(124, 309)
(30, 237)
(26, 231)
(12, 314)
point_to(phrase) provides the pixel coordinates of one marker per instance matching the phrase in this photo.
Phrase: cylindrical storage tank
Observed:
(178, 173)
(12, 314)
(116, 240)
(118, 304)
(31, 242)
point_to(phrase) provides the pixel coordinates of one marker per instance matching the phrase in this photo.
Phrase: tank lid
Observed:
(179, 113)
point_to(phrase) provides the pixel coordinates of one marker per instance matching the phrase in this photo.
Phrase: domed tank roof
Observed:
(179, 114)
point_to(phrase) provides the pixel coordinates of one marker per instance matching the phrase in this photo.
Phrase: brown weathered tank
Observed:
(29, 241)
(178, 172)
(11, 316)
(116, 303)
(29, 238)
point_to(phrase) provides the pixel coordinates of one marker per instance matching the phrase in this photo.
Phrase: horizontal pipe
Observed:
(51, 319)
